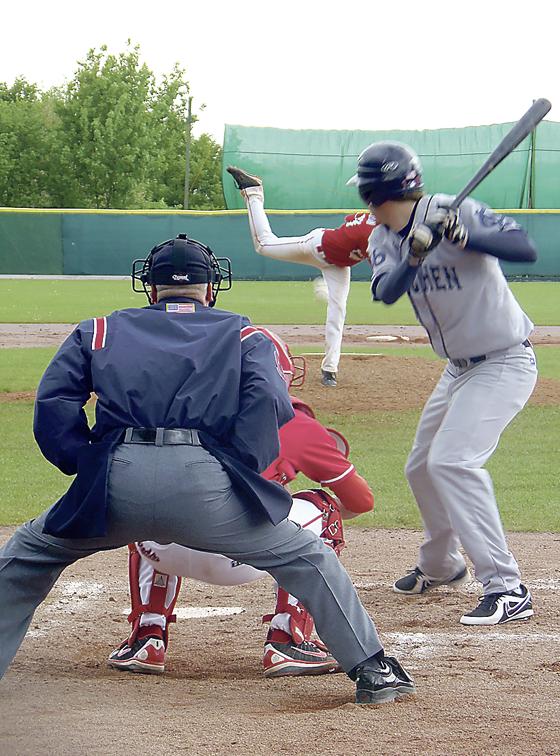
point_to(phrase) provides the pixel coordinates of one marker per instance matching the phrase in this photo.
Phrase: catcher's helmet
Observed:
(293, 368)
(180, 262)
(386, 171)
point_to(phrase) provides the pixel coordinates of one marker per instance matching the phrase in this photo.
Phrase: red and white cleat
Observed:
(291, 659)
(146, 655)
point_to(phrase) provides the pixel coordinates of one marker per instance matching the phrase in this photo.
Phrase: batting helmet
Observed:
(293, 368)
(386, 171)
(181, 262)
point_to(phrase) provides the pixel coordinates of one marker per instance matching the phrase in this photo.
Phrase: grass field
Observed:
(287, 302)
(524, 467)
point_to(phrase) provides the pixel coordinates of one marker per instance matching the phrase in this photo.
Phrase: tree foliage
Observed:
(26, 145)
(112, 137)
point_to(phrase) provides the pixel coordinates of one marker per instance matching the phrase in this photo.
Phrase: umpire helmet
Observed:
(386, 171)
(293, 368)
(181, 262)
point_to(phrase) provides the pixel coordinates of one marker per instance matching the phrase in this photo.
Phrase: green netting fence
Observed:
(69, 242)
(306, 169)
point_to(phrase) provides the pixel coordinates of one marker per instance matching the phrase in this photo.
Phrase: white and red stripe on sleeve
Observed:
(99, 333)
(248, 331)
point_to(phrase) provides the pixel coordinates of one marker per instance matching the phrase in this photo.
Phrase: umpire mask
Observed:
(180, 262)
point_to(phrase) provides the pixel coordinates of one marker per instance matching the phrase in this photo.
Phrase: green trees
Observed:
(26, 145)
(113, 137)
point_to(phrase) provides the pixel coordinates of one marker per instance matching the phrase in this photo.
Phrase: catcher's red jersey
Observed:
(307, 447)
(347, 245)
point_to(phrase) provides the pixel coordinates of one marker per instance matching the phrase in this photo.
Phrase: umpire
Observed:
(189, 402)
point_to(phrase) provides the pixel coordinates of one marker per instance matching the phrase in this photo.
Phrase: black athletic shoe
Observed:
(497, 608)
(290, 659)
(382, 681)
(416, 582)
(328, 379)
(243, 179)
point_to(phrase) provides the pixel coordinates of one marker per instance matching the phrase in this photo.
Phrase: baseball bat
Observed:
(515, 136)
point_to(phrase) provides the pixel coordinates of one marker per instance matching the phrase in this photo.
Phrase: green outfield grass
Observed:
(524, 468)
(289, 302)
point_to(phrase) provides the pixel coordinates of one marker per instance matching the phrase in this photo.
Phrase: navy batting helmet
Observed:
(180, 262)
(386, 171)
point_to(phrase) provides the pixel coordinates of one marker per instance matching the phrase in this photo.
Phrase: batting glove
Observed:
(454, 230)
(423, 238)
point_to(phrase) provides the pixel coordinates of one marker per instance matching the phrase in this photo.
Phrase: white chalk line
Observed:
(421, 646)
(74, 597)
(202, 612)
(542, 584)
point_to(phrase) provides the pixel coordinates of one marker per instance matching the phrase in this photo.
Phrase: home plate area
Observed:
(475, 685)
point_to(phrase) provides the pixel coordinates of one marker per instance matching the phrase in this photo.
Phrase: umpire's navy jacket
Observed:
(175, 364)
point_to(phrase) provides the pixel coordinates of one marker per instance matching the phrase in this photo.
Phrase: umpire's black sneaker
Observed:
(497, 608)
(243, 179)
(328, 378)
(382, 681)
(416, 582)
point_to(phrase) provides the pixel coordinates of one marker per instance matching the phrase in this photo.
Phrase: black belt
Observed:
(161, 436)
(479, 358)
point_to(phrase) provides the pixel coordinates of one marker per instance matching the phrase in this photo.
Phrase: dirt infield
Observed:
(363, 383)
(52, 334)
(480, 690)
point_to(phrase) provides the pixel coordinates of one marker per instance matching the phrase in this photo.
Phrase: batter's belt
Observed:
(465, 362)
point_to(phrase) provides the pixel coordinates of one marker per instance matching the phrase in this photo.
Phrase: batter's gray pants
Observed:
(459, 430)
(182, 494)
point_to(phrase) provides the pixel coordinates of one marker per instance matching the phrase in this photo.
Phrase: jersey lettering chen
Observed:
(461, 297)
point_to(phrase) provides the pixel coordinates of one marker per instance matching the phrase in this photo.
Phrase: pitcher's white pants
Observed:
(303, 250)
(458, 432)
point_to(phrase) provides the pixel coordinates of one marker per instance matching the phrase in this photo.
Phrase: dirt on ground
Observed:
(488, 690)
(364, 382)
(479, 690)
(53, 334)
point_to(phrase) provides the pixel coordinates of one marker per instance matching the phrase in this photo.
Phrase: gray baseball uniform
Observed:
(462, 299)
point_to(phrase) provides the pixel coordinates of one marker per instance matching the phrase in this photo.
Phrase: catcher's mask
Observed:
(293, 368)
(181, 262)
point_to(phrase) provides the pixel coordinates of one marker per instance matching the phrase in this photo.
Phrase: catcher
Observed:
(155, 570)
(333, 251)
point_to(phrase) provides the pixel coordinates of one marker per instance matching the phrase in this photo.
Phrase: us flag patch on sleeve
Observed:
(180, 307)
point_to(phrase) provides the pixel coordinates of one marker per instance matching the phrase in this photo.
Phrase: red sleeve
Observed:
(347, 245)
(354, 493)
(310, 449)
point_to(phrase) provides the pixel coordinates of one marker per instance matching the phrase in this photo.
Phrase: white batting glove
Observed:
(423, 238)
(454, 230)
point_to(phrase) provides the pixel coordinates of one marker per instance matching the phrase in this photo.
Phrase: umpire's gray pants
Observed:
(182, 494)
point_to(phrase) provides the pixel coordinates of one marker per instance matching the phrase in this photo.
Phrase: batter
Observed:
(448, 265)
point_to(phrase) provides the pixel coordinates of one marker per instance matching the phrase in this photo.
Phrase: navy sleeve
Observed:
(60, 424)
(264, 405)
(513, 246)
(495, 234)
(391, 286)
